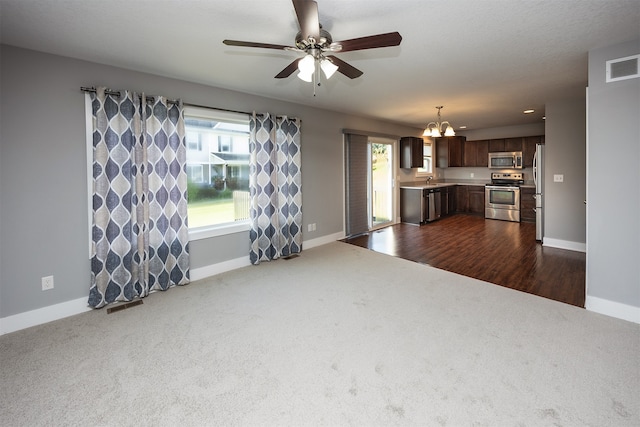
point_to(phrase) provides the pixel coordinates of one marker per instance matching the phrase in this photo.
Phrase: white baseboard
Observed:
(613, 309)
(308, 244)
(221, 267)
(70, 308)
(43, 315)
(564, 244)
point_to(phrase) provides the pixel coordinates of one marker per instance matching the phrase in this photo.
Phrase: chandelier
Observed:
(434, 129)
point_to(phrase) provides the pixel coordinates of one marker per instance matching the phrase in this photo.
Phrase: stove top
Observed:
(506, 179)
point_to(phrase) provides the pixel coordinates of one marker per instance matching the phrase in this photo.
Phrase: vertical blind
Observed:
(356, 174)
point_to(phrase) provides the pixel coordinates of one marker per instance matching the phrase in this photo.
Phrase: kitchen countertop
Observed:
(440, 184)
(418, 185)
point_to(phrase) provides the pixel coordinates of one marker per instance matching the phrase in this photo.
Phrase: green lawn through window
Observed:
(210, 212)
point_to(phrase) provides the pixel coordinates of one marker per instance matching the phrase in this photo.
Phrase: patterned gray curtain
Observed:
(139, 231)
(275, 186)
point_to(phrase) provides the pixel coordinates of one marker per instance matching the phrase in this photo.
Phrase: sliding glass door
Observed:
(369, 185)
(380, 153)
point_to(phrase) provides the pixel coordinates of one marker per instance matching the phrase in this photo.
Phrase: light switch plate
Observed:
(558, 178)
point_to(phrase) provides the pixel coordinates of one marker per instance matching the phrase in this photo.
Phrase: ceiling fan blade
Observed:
(288, 70)
(254, 44)
(371, 42)
(307, 13)
(344, 68)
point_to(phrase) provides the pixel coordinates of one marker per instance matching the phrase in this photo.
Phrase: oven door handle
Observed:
(501, 187)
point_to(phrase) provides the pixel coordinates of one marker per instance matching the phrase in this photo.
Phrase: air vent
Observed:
(623, 68)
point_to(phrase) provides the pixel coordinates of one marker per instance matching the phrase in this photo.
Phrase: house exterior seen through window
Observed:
(217, 167)
(427, 156)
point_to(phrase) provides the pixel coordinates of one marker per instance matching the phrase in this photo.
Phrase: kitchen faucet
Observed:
(429, 178)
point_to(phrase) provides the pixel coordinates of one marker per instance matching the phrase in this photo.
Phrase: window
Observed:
(195, 173)
(218, 171)
(427, 154)
(193, 141)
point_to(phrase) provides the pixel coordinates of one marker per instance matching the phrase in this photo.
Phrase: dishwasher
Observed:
(433, 204)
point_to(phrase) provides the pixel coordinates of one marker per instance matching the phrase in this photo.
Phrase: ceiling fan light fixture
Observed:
(307, 64)
(307, 77)
(328, 67)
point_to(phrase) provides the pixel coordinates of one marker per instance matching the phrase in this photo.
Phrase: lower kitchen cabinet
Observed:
(470, 199)
(448, 200)
(462, 198)
(476, 199)
(412, 205)
(527, 204)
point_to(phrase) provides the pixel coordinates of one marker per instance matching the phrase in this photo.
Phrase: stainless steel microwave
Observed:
(506, 160)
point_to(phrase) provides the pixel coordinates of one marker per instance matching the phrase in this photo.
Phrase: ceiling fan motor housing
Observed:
(304, 43)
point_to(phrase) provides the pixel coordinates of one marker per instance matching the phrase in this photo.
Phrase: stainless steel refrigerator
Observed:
(538, 179)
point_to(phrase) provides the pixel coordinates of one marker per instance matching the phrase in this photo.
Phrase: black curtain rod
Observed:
(171, 101)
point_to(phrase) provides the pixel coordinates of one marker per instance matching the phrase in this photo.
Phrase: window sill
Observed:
(219, 230)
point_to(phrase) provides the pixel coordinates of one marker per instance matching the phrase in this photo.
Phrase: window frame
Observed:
(420, 172)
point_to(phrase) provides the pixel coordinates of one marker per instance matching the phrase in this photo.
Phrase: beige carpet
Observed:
(338, 336)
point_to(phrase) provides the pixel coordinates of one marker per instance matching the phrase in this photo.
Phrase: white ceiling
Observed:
(484, 60)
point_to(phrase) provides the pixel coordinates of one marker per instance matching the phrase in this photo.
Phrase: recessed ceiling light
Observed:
(529, 111)
(462, 127)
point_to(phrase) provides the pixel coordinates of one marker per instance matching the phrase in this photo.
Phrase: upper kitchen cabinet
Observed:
(505, 144)
(513, 144)
(411, 152)
(529, 149)
(496, 145)
(450, 151)
(476, 153)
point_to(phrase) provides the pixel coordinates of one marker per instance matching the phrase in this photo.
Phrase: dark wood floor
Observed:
(500, 252)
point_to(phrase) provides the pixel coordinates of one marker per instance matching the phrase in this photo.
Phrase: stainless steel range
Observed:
(502, 197)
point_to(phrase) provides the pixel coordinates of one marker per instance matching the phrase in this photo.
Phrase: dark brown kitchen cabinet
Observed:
(448, 200)
(496, 145)
(411, 152)
(450, 151)
(513, 144)
(529, 149)
(505, 144)
(470, 199)
(462, 198)
(476, 199)
(476, 153)
(527, 204)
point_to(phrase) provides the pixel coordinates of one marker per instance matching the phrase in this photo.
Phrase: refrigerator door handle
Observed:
(535, 168)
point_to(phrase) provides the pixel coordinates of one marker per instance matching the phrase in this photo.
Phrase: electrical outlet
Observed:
(47, 283)
(558, 178)
(311, 227)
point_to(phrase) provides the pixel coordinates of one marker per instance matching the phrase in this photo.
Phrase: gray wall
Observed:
(565, 154)
(43, 176)
(613, 184)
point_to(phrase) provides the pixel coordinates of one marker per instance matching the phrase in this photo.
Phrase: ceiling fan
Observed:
(315, 43)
